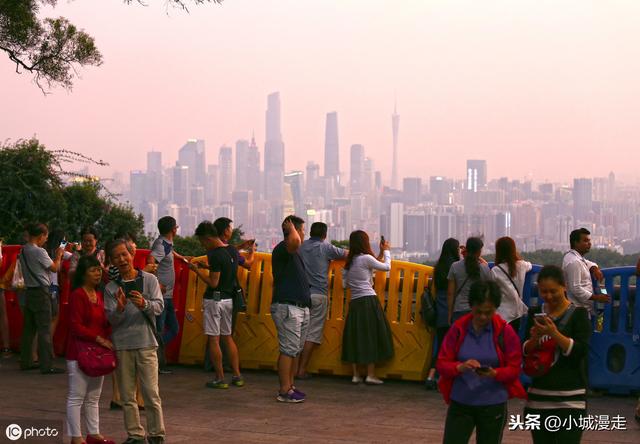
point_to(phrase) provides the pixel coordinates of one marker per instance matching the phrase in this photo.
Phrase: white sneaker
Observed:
(373, 381)
(356, 380)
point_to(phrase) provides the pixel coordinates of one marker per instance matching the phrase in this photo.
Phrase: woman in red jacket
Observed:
(479, 365)
(88, 323)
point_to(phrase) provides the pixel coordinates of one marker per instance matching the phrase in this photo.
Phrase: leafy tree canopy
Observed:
(36, 187)
(52, 49)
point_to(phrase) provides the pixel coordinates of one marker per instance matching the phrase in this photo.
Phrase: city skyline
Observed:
(500, 81)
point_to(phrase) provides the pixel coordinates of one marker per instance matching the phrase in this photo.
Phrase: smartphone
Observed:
(63, 243)
(483, 369)
(382, 239)
(540, 315)
(603, 291)
(135, 285)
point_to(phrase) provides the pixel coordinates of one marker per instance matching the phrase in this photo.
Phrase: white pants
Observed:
(84, 394)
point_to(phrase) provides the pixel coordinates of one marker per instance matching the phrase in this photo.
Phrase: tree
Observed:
(52, 49)
(341, 243)
(33, 188)
(188, 246)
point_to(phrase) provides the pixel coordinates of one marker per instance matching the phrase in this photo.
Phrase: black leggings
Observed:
(487, 420)
(543, 436)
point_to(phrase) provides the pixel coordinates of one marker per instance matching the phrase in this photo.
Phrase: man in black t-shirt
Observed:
(290, 305)
(222, 263)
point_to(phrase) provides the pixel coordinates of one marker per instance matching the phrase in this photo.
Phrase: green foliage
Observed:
(51, 48)
(188, 246)
(236, 235)
(341, 243)
(32, 189)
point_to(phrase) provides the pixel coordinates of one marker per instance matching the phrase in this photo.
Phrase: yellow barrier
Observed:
(258, 341)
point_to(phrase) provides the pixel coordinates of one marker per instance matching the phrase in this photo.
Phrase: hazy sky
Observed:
(547, 88)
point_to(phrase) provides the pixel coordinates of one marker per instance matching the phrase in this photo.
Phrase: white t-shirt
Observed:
(511, 306)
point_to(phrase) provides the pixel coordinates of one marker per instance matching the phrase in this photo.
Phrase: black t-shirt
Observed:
(290, 282)
(223, 260)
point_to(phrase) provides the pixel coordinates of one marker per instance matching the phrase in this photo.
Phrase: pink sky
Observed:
(526, 85)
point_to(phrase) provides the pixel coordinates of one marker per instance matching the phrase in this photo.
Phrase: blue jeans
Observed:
(169, 320)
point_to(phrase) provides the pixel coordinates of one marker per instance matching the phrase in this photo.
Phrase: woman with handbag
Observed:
(449, 254)
(479, 366)
(555, 350)
(510, 272)
(88, 329)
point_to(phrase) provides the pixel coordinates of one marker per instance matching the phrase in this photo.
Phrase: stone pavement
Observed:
(335, 412)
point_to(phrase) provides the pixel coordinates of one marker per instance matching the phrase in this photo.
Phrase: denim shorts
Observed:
(292, 323)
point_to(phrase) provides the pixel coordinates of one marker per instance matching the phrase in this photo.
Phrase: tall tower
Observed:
(252, 175)
(273, 153)
(356, 179)
(395, 124)
(331, 147)
(225, 180)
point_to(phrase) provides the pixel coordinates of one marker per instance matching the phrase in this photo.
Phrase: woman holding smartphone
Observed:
(561, 390)
(88, 323)
(479, 366)
(367, 335)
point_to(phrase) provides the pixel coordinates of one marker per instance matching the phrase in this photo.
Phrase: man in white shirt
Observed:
(578, 271)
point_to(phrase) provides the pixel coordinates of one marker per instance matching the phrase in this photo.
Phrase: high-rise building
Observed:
(154, 162)
(193, 155)
(441, 189)
(582, 200)
(295, 180)
(367, 175)
(313, 176)
(274, 155)
(396, 225)
(138, 189)
(252, 175)
(225, 163)
(356, 176)
(395, 126)
(243, 208)
(181, 187)
(242, 165)
(211, 190)
(154, 177)
(476, 175)
(415, 232)
(331, 147)
(412, 190)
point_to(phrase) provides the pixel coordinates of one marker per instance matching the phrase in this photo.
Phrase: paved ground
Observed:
(335, 412)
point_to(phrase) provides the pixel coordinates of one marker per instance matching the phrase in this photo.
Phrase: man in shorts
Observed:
(316, 255)
(218, 301)
(290, 306)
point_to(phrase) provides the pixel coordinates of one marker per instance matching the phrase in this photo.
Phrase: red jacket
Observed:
(509, 356)
(86, 321)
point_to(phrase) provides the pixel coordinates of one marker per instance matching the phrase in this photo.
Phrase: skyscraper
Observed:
(331, 146)
(274, 155)
(181, 187)
(192, 155)
(582, 200)
(242, 165)
(412, 190)
(295, 180)
(476, 175)
(356, 176)
(225, 163)
(154, 162)
(211, 190)
(395, 125)
(252, 175)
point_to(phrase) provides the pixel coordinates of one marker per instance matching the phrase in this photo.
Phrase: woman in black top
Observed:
(450, 253)
(561, 391)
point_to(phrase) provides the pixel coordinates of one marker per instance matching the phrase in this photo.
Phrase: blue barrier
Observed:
(614, 358)
(614, 353)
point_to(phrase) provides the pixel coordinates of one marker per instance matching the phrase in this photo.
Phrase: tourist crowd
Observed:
(121, 318)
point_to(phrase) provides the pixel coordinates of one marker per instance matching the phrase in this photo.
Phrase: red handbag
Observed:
(95, 360)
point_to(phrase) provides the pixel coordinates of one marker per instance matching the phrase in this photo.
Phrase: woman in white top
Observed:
(509, 273)
(366, 339)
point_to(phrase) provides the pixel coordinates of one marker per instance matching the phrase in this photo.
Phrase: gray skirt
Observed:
(367, 336)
